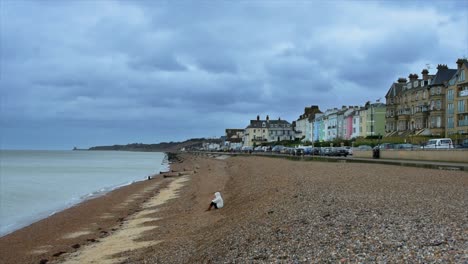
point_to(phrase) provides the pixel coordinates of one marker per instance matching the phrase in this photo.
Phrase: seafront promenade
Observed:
(362, 158)
(276, 210)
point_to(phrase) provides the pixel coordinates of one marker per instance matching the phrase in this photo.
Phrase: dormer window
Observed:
(408, 86)
(263, 124)
(415, 83)
(452, 81)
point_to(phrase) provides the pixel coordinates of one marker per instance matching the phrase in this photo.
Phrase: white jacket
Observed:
(218, 200)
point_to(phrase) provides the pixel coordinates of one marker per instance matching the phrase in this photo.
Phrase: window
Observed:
(438, 104)
(432, 91)
(461, 78)
(450, 108)
(452, 81)
(461, 106)
(439, 90)
(424, 94)
(254, 130)
(450, 122)
(415, 83)
(433, 122)
(450, 94)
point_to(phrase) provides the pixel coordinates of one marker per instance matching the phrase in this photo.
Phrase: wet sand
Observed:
(276, 210)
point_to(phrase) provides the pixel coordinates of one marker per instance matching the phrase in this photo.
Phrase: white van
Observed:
(439, 143)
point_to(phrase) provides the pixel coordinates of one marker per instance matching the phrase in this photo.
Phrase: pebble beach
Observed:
(276, 211)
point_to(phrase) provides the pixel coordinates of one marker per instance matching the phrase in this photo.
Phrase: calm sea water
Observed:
(36, 184)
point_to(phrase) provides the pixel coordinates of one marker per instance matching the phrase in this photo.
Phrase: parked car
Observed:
(349, 149)
(404, 146)
(326, 151)
(341, 152)
(298, 151)
(439, 143)
(277, 148)
(386, 146)
(266, 148)
(364, 147)
(315, 151)
(463, 144)
(307, 150)
(258, 149)
(247, 149)
(335, 152)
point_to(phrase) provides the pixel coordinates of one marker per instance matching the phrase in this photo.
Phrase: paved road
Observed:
(410, 163)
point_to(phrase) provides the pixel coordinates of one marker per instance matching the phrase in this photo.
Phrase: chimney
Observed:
(402, 80)
(258, 117)
(268, 118)
(279, 118)
(425, 74)
(343, 107)
(413, 77)
(460, 62)
(442, 67)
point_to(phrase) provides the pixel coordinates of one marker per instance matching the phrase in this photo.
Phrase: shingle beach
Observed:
(276, 211)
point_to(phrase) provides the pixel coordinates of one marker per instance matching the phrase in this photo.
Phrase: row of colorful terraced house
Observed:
(433, 105)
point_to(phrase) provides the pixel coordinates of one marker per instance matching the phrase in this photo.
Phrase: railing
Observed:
(463, 122)
(463, 93)
(403, 113)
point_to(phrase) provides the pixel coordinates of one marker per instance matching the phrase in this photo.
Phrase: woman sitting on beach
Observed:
(217, 202)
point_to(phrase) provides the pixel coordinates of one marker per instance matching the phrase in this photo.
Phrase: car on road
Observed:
(405, 146)
(349, 149)
(386, 146)
(464, 144)
(364, 147)
(247, 149)
(439, 143)
(334, 152)
(277, 148)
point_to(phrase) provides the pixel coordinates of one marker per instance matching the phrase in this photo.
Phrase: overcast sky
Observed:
(85, 73)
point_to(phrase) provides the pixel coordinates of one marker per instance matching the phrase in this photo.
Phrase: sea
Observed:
(35, 184)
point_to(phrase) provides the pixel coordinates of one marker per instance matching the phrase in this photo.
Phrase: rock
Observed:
(76, 246)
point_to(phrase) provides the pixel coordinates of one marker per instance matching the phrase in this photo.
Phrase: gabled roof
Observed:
(394, 90)
(442, 76)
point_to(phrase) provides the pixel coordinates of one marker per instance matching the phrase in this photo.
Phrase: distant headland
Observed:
(159, 147)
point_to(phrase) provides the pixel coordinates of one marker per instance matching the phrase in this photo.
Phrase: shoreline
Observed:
(74, 201)
(34, 242)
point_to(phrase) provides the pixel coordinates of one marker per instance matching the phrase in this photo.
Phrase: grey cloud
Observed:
(156, 63)
(129, 69)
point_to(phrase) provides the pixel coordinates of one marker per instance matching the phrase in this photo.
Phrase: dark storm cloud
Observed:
(120, 71)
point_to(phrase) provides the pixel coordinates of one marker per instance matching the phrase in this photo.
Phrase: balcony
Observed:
(463, 122)
(463, 93)
(404, 113)
(259, 139)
